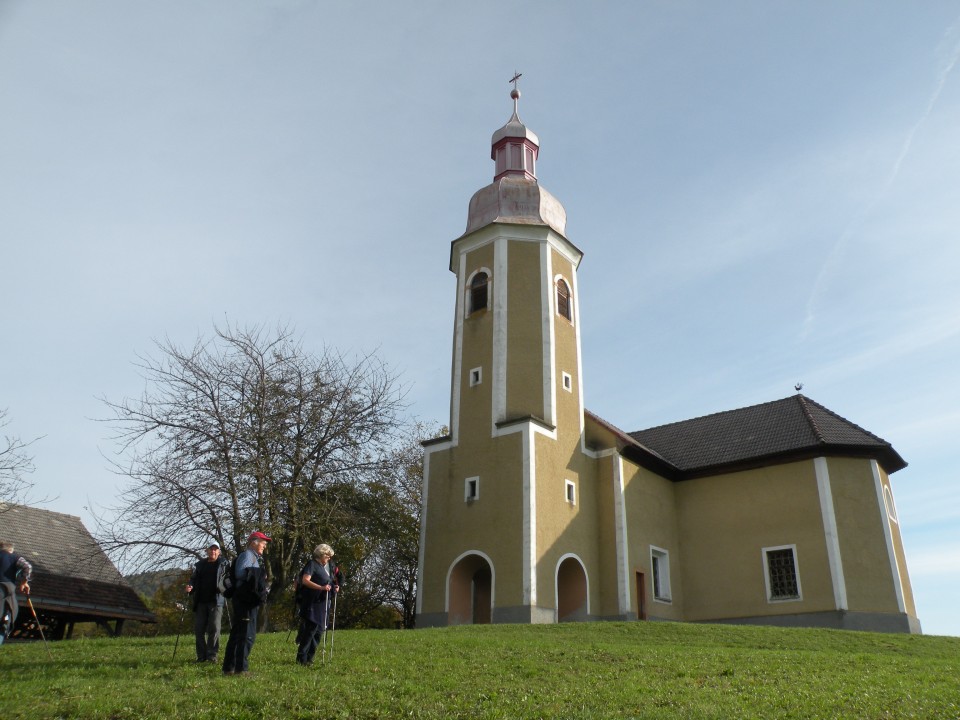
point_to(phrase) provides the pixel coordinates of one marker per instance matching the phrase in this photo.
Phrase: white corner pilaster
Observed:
(832, 537)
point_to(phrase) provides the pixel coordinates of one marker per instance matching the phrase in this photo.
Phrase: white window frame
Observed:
(471, 489)
(476, 376)
(660, 575)
(556, 304)
(766, 573)
(890, 504)
(468, 294)
(567, 382)
(570, 491)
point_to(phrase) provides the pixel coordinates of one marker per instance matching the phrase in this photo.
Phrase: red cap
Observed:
(258, 536)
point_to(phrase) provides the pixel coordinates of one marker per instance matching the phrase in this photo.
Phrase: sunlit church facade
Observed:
(538, 511)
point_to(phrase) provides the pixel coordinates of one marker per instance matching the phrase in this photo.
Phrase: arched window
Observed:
(564, 306)
(478, 291)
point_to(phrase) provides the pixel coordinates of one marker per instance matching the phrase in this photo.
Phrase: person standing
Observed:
(207, 604)
(316, 583)
(15, 575)
(250, 592)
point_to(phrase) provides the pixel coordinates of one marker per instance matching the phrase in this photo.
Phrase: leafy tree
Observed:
(247, 431)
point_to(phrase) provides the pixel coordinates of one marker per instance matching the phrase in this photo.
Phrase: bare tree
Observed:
(246, 431)
(14, 464)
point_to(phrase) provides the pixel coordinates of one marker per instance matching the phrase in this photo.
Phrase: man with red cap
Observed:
(250, 592)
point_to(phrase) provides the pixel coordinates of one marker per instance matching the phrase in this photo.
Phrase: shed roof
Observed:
(59, 547)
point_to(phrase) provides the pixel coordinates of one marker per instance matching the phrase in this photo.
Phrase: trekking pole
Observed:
(39, 627)
(333, 628)
(294, 621)
(323, 655)
(183, 611)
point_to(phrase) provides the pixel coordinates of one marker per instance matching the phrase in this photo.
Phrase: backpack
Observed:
(298, 589)
(226, 578)
(253, 589)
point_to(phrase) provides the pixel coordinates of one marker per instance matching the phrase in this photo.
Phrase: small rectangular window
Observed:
(471, 489)
(476, 376)
(660, 572)
(780, 573)
(567, 382)
(571, 490)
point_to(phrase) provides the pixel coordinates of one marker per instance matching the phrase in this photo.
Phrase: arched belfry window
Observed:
(479, 292)
(564, 301)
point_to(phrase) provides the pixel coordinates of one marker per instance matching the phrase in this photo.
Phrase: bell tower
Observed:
(509, 263)
(516, 410)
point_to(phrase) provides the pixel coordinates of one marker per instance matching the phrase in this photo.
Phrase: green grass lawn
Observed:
(596, 670)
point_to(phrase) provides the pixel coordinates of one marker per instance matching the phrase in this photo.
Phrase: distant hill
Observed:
(147, 584)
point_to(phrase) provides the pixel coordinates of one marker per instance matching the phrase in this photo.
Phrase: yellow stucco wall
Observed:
(894, 524)
(870, 579)
(491, 524)
(650, 508)
(725, 522)
(477, 349)
(524, 331)
(564, 527)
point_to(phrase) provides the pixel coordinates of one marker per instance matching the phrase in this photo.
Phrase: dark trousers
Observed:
(242, 636)
(8, 605)
(311, 632)
(206, 628)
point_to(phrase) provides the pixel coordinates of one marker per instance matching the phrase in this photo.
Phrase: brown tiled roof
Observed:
(71, 573)
(779, 431)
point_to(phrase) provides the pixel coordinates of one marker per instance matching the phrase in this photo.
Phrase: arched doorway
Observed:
(572, 596)
(470, 590)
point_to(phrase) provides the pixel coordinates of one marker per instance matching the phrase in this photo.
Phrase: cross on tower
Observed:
(516, 76)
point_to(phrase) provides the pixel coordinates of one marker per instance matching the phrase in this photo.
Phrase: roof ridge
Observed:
(817, 432)
(840, 417)
(4, 506)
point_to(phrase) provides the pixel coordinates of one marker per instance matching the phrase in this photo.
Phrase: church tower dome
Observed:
(515, 196)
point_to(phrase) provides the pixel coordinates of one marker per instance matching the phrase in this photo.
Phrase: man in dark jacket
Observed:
(15, 575)
(207, 604)
(250, 590)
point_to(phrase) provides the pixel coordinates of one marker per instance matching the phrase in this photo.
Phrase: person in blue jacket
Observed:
(250, 592)
(15, 576)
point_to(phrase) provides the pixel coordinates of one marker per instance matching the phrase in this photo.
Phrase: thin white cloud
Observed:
(931, 331)
(951, 41)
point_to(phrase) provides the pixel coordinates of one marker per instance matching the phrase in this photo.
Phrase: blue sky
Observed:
(765, 193)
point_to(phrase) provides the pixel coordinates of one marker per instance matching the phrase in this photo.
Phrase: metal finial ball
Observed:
(515, 93)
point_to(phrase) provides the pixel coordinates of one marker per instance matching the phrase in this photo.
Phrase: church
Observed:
(536, 510)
